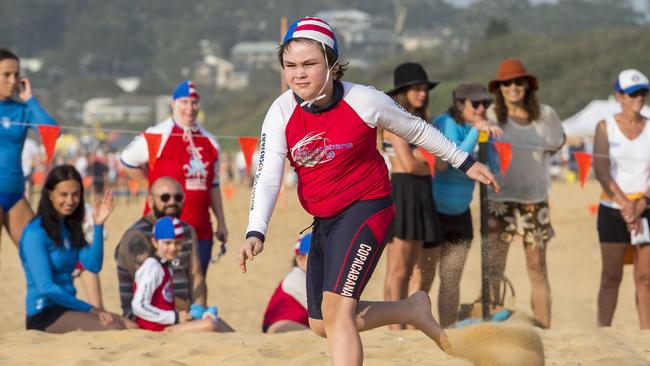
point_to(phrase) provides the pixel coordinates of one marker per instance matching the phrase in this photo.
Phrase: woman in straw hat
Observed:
(325, 127)
(415, 226)
(521, 208)
(622, 166)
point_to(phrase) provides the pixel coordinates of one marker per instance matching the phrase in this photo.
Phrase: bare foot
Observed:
(424, 321)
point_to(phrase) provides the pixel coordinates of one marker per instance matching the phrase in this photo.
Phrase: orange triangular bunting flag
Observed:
(248, 145)
(153, 144)
(584, 162)
(49, 134)
(504, 149)
(229, 191)
(593, 208)
(431, 160)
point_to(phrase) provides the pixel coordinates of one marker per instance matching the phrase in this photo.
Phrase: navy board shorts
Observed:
(345, 250)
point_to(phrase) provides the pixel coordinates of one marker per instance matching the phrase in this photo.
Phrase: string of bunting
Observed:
(248, 144)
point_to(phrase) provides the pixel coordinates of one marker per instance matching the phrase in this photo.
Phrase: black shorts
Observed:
(612, 227)
(345, 250)
(457, 229)
(45, 318)
(416, 216)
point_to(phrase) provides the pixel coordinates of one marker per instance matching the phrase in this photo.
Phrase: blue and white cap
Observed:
(185, 89)
(168, 227)
(631, 80)
(303, 244)
(313, 28)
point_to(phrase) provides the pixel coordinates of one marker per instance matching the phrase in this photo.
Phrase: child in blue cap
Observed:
(153, 299)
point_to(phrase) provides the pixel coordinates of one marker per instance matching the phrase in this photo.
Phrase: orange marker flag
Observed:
(49, 134)
(87, 181)
(431, 160)
(593, 208)
(628, 258)
(153, 144)
(248, 145)
(584, 162)
(504, 149)
(229, 192)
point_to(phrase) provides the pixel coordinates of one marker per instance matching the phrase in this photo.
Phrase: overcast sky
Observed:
(639, 4)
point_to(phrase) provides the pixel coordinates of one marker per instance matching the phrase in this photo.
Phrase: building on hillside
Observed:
(218, 73)
(126, 109)
(248, 56)
(350, 24)
(359, 34)
(31, 65)
(430, 39)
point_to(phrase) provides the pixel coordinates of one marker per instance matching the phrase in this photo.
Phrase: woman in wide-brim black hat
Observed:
(416, 222)
(410, 74)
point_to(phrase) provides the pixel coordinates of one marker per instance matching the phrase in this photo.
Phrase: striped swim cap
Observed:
(315, 29)
(185, 89)
(168, 227)
(303, 244)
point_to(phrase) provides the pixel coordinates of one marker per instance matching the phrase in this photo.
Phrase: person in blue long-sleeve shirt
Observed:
(19, 110)
(50, 247)
(453, 191)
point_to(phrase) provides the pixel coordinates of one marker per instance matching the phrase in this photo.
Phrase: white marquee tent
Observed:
(583, 124)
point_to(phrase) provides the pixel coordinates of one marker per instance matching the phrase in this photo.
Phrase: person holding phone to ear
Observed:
(19, 110)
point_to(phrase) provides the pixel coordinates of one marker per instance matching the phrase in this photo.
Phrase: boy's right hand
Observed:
(249, 249)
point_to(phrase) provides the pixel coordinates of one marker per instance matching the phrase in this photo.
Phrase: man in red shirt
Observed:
(189, 154)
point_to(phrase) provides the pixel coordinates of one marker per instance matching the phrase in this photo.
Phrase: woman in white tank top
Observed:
(622, 166)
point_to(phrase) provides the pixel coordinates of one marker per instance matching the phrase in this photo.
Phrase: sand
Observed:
(574, 266)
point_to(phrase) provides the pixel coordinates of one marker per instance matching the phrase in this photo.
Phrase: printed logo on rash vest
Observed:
(355, 269)
(196, 174)
(168, 292)
(315, 149)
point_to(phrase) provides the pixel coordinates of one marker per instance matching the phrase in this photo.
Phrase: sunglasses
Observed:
(639, 93)
(517, 81)
(165, 197)
(485, 103)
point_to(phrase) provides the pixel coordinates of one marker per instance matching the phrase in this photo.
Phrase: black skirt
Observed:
(416, 217)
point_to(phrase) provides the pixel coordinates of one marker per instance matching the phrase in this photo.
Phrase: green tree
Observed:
(497, 27)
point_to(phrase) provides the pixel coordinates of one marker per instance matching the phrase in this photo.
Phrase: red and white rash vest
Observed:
(191, 156)
(153, 296)
(289, 301)
(333, 151)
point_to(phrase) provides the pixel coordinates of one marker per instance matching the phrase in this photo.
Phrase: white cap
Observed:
(631, 80)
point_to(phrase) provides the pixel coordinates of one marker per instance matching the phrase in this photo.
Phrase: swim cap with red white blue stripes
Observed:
(315, 29)
(185, 89)
(168, 227)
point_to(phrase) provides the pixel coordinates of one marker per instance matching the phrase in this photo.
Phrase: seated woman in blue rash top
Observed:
(50, 247)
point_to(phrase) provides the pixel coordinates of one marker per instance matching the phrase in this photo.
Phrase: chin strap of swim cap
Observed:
(320, 96)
